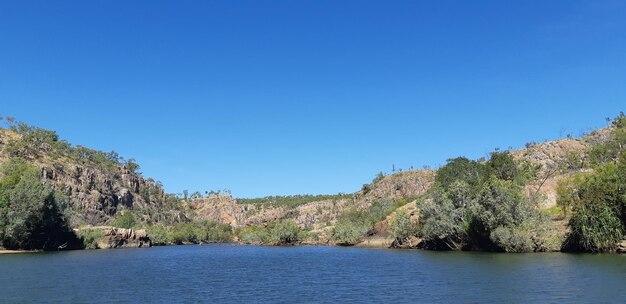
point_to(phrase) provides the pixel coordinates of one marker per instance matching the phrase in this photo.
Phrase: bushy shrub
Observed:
(512, 239)
(284, 232)
(31, 217)
(254, 235)
(159, 235)
(402, 227)
(90, 237)
(501, 204)
(124, 219)
(445, 219)
(214, 232)
(184, 233)
(599, 207)
(594, 228)
(190, 233)
(352, 227)
(460, 169)
(495, 217)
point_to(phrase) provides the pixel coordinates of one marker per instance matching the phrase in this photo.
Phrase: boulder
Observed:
(621, 247)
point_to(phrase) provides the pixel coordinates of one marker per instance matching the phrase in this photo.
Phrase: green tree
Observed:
(284, 232)
(502, 165)
(30, 216)
(352, 227)
(402, 227)
(594, 228)
(462, 169)
(599, 213)
(445, 219)
(125, 219)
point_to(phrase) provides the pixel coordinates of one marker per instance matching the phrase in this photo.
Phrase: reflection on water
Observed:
(236, 274)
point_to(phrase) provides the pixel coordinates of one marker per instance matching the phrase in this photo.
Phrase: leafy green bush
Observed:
(254, 235)
(445, 218)
(482, 208)
(125, 219)
(90, 237)
(159, 235)
(460, 169)
(184, 233)
(284, 232)
(513, 239)
(352, 227)
(599, 207)
(217, 232)
(31, 217)
(190, 233)
(594, 228)
(402, 227)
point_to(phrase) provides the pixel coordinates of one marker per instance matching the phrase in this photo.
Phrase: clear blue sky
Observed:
(285, 97)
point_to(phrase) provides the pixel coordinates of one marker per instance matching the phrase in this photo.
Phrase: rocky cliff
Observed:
(317, 216)
(94, 186)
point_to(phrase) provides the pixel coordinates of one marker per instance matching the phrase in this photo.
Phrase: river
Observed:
(251, 274)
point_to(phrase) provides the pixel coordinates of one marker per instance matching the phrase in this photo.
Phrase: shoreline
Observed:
(6, 251)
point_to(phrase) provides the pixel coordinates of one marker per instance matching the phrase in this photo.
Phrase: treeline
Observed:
(282, 232)
(292, 201)
(34, 143)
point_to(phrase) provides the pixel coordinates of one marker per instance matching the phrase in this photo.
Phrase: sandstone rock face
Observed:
(220, 208)
(94, 191)
(400, 185)
(318, 216)
(558, 159)
(123, 238)
(96, 195)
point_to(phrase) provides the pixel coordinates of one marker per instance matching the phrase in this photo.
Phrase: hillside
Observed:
(524, 198)
(317, 216)
(97, 185)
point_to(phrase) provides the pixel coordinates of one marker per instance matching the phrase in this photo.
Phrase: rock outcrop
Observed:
(112, 237)
(621, 247)
(95, 189)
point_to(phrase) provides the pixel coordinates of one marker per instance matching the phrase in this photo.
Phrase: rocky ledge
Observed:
(124, 238)
(108, 237)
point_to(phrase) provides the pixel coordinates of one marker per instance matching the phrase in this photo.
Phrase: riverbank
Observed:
(5, 251)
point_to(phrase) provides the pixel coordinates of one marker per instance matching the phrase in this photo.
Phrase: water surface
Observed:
(246, 274)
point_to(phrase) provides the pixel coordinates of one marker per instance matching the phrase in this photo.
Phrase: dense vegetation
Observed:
(353, 225)
(598, 198)
(191, 233)
(479, 205)
(283, 232)
(31, 213)
(35, 143)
